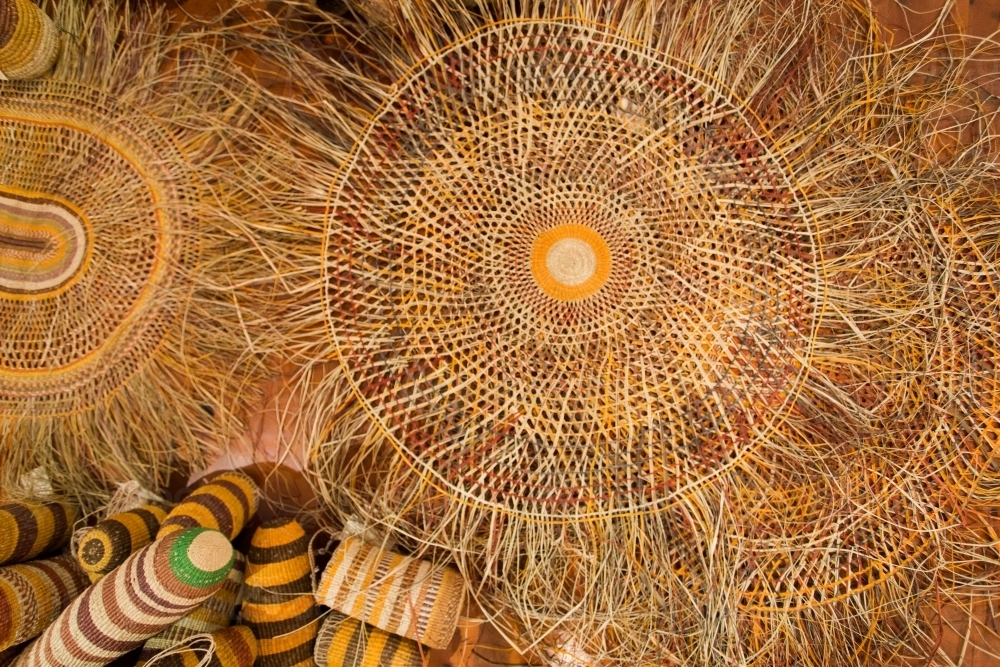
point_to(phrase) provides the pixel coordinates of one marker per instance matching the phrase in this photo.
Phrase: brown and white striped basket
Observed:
(399, 594)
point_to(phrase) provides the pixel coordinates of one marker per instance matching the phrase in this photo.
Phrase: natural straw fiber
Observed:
(225, 504)
(110, 542)
(234, 647)
(213, 614)
(278, 604)
(33, 594)
(398, 594)
(29, 40)
(30, 530)
(671, 323)
(151, 590)
(138, 266)
(347, 642)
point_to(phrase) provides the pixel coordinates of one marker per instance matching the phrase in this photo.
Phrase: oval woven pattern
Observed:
(567, 275)
(110, 542)
(91, 250)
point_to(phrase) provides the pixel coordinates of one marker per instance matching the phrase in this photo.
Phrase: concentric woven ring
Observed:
(567, 275)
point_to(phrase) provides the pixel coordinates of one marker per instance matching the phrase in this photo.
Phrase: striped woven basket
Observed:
(225, 504)
(8, 655)
(347, 642)
(150, 591)
(278, 602)
(29, 41)
(108, 544)
(215, 613)
(402, 595)
(234, 647)
(32, 595)
(30, 530)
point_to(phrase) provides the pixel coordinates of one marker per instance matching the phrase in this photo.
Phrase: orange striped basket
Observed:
(30, 530)
(225, 504)
(33, 594)
(402, 595)
(29, 40)
(278, 604)
(347, 642)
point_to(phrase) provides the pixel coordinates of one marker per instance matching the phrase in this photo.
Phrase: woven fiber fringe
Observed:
(234, 647)
(30, 530)
(402, 595)
(347, 642)
(29, 40)
(151, 590)
(278, 604)
(225, 504)
(110, 542)
(134, 202)
(33, 594)
(214, 614)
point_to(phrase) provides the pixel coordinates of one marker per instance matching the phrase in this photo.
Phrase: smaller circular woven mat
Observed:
(91, 255)
(567, 275)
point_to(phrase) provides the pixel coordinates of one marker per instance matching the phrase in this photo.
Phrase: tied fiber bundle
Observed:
(278, 604)
(30, 530)
(152, 589)
(398, 594)
(347, 642)
(225, 504)
(32, 595)
(29, 40)
(110, 542)
(137, 293)
(234, 647)
(215, 613)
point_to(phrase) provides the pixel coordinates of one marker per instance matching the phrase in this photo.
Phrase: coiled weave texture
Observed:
(114, 539)
(151, 590)
(32, 595)
(224, 504)
(215, 613)
(30, 530)
(29, 40)
(347, 642)
(395, 593)
(278, 604)
(234, 647)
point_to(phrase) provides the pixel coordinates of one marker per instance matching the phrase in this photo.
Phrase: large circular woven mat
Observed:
(91, 254)
(567, 275)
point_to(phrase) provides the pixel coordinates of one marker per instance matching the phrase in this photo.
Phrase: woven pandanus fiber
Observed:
(114, 539)
(553, 294)
(233, 647)
(215, 613)
(397, 594)
(132, 286)
(225, 504)
(151, 590)
(32, 529)
(29, 40)
(347, 642)
(32, 596)
(665, 322)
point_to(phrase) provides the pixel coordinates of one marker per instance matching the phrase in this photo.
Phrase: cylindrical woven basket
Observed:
(234, 647)
(30, 530)
(347, 642)
(215, 613)
(151, 590)
(225, 504)
(402, 595)
(116, 538)
(29, 40)
(278, 604)
(33, 594)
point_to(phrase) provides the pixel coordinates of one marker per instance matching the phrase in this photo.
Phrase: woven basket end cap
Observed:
(201, 557)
